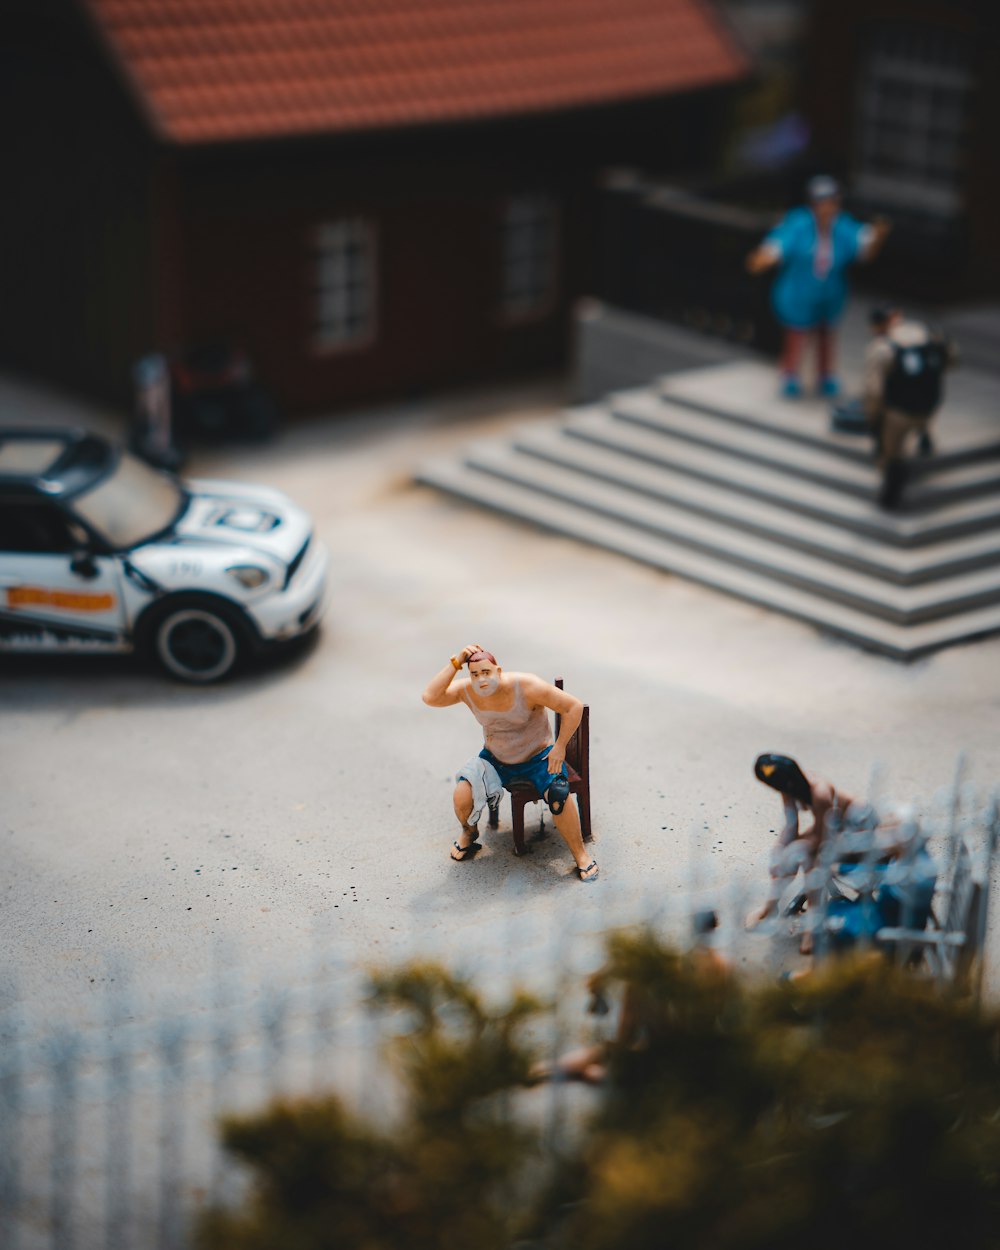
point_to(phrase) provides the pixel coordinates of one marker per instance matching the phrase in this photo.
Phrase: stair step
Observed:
(736, 441)
(744, 392)
(677, 525)
(774, 450)
(660, 446)
(577, 521)
(710, 478)
(826, 539)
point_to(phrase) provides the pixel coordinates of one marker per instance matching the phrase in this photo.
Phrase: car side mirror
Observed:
(84, 565)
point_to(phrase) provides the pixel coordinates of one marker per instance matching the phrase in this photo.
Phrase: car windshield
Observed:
(132, 504)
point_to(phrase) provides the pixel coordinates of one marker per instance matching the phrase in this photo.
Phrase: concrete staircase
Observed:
(710, 477)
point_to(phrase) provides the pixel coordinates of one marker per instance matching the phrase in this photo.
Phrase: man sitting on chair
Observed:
(513, 711)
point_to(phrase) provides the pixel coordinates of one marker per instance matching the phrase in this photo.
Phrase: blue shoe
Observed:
(829, 386)
(791, 387)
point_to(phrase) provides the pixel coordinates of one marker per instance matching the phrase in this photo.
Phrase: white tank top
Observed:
(517, 734)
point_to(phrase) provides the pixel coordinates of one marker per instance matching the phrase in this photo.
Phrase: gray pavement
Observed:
(146, 822)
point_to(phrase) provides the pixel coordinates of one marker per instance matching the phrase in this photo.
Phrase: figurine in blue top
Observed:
(813, 246)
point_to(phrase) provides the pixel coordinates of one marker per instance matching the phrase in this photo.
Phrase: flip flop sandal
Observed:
(466, 852)
(593, 877)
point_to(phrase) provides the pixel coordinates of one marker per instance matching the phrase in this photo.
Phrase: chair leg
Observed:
(583, 803)
(517, 820)
(494, 809)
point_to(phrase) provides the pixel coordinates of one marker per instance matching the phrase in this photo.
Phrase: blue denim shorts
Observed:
(534, 770)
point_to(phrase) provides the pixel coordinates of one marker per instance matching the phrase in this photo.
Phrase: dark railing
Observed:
(679, 256)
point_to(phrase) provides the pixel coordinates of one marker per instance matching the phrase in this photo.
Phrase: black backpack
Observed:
(913, 383)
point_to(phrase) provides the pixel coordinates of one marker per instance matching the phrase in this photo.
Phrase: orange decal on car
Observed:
(71, 600)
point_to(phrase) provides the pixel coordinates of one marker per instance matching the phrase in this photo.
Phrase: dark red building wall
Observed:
(239, 257)
(247, 272)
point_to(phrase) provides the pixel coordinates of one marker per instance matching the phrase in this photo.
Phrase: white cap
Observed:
(822, 187)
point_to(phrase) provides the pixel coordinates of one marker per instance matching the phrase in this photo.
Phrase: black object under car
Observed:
(216, 398)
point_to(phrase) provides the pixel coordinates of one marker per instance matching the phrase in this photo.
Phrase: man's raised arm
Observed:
(440, 692)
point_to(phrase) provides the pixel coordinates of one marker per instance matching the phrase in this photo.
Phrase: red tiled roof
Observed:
(218, 70)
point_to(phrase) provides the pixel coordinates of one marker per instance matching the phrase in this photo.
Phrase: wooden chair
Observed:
(578, 770)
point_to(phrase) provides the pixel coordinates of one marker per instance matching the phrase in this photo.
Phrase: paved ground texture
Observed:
(146, 821)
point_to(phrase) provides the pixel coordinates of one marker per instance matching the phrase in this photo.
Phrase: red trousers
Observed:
(794, 346)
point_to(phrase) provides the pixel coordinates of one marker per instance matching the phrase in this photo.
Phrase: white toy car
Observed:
(99, 552)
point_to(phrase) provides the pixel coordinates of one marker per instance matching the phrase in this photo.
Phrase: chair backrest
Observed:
(578, 747)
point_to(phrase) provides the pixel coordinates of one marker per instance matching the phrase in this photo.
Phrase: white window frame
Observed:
(343, 265)
(905, 73)
(529, 252)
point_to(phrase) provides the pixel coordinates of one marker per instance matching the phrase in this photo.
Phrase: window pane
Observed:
(913, 107)
(528, 250)
(35, 528)
(344, 278)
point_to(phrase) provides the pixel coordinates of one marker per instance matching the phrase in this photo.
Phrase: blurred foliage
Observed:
(438, 1179)
(852, 1108)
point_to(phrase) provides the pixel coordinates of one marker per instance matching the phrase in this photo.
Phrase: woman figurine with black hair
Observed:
(795, 848)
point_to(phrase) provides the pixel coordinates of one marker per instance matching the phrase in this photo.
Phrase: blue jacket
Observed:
(801, 299)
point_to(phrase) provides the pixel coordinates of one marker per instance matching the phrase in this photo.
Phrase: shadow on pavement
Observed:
(39, 681)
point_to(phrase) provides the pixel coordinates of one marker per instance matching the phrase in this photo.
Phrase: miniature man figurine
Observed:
(813, 246)
(904, 368)
(513, 711)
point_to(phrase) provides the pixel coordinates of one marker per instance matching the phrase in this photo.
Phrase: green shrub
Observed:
(853, 1108)
(439, 1180)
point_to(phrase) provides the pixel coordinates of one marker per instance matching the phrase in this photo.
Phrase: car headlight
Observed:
(249, 575)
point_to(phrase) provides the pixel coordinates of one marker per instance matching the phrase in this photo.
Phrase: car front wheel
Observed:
(197, 642)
